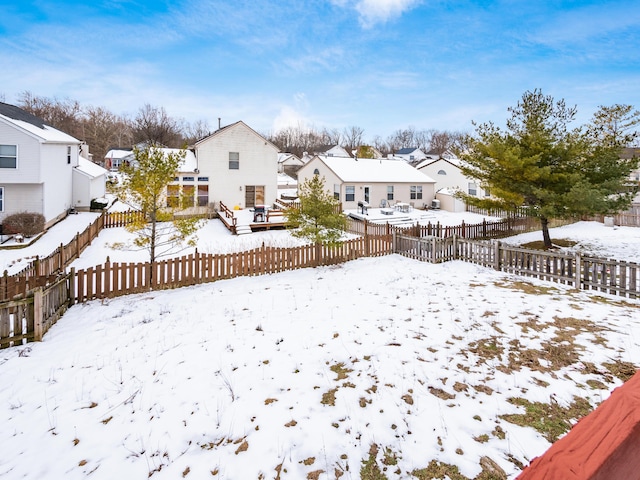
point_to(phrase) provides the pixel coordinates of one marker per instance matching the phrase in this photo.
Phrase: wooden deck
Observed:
(241, 222)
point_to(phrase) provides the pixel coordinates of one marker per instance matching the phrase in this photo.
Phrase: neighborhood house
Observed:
(42, 170)
(378, 182)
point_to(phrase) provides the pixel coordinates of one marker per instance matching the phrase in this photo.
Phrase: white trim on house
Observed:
(349, 176)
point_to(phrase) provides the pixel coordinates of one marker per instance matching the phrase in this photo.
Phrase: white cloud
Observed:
(377, 11)
(291, 115)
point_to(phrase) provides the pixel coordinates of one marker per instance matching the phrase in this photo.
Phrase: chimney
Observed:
(219, 123)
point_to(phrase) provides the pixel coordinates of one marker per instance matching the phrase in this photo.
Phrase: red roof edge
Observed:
(604, 445)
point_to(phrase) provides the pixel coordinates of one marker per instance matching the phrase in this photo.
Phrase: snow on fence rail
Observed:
(615, 277)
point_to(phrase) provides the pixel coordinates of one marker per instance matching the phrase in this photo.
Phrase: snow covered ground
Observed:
(297, 375)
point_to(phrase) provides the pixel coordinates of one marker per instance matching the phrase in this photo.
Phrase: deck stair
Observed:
(243, 229)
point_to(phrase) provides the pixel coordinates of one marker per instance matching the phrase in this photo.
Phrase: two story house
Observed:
(37, 167)
(235, 165)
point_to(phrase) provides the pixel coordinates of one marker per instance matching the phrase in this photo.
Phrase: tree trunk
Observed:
(544, 221)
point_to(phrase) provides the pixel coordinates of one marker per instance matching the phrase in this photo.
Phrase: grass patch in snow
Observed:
(622, 370)
(559, 242)
(551, 420)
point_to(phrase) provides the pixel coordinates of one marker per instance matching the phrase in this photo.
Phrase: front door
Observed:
(253, 195)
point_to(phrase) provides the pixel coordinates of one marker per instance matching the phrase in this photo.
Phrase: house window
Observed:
(8, 156)
(187, 196)
(412, 157)
(349, 193)
(187, 179)
(416, 192)
(68, 155)
(203, 179)
(336, 191)
(390, 192)
(441, 172)
(234, 160)
(173, 195)
(472, 188)
(487, 192)
(316, 172)
(1, 199)
(203, 195)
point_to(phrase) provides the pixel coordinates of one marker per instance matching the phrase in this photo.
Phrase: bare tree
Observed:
(155, 126)
(100, 130)
(196, 131)
(352, 137)
(65, 115)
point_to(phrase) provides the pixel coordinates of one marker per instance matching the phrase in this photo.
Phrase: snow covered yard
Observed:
(308, 374)
(383, 364)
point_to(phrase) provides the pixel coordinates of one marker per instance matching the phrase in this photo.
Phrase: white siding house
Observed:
(235, 165)
(89, 183)
(450, 179)
(36, 166)
(370, 180)
(410, 154)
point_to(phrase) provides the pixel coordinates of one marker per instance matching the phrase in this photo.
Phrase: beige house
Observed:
(449, 180)
(235, 165)
(375, 181)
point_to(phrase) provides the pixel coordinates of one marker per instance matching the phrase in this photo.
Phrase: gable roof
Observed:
(33, 125)
(374, 170)
(407, 150)
(90, 169)
(430, 161)
(233, 125)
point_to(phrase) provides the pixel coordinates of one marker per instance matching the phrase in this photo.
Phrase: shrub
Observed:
(26, 223)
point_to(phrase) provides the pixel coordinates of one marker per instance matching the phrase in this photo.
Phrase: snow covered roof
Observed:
(407, 150)
(455, 161)
(89, 168)
(118, 153)
(33, 125)
(286, 180)
(190, 162)
(374, 170)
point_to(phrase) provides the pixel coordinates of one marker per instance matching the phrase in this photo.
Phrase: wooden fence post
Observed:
(496, 255)
(394, 241)
(366, 238)
(37, 315)
(578, 271)
(72, 287)
(455, 247)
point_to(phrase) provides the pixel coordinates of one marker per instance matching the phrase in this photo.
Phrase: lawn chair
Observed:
(383, 203)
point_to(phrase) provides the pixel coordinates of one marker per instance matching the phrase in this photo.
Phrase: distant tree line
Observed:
(300, 139)
(103, 130)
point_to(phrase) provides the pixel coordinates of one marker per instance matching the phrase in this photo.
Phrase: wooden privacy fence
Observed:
(616, 277)
(485, 229)
(623, 219)
(28, 318)
(41, 271)
(112, 280)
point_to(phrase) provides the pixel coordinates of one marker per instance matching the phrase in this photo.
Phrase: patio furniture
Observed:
(403, 207)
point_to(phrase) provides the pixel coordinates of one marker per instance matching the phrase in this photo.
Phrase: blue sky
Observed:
(381, 65)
